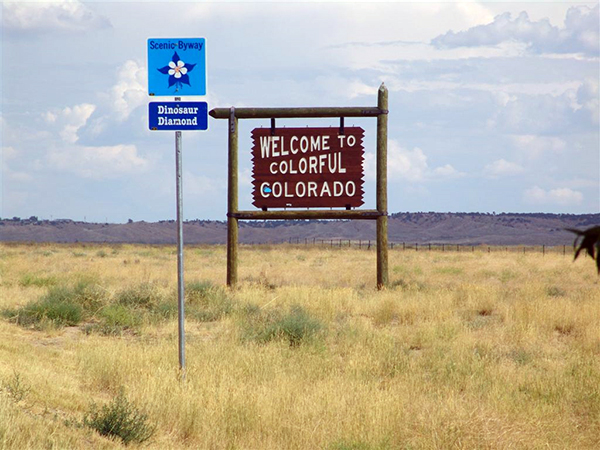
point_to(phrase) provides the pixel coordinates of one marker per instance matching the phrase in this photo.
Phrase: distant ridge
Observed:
(409, 227)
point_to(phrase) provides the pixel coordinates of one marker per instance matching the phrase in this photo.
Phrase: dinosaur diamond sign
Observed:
(307, 167)
(177, 67)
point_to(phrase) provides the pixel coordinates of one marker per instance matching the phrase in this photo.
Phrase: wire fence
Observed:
(429, 247)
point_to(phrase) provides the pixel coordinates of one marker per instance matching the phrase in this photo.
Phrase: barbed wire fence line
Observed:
(367, 244)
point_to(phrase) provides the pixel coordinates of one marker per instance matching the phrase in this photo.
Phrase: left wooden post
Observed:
(232, 201)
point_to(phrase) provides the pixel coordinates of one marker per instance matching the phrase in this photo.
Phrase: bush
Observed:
(58, 312)
(144, 296)
(16, 387)
(35, 280)
(206, 302)
(121, 419)
(296, 327)
(61, 306)
(117, 318)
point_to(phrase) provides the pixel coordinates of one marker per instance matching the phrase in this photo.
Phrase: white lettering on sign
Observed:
(171, 110)
(331, 163)
(177, 121)
(275, 147)
(307, 167)
(307, 189)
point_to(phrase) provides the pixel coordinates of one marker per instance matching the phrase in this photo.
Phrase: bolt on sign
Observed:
(307, 167)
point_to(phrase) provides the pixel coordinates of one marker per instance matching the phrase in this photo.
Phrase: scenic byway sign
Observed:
(177, 67)
(307, 167)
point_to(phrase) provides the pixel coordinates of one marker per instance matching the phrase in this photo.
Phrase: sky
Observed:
(493, 106)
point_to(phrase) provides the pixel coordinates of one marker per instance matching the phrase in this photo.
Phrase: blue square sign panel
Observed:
(177, 67)
(178, 116)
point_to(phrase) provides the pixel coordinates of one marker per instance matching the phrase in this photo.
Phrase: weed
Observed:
(61, 306)
(115, 319)
(16, 388)
(297, 326)
(554, 291)
(35, 280)
(53, 311)
(385, 313)
(144, 296)
(101, 254)
(207, 302)
(120, 419)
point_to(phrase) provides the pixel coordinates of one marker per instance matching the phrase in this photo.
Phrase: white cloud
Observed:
(200, 185)
(20, 177)
(98, 162)
(536, 146)
(560, 196)
(50, 16)
(130, 90)
(587, 97)
(8, 153)
(446, 171)
(409, 165)
(70, 120)
(579, 35)
(502, 168)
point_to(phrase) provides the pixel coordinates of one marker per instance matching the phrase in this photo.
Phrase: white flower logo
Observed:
(177, 70)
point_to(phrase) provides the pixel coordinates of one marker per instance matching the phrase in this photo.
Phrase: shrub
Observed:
(297, 326)
(36, 280)
(117, 318)
(207, 302)
(60, 306)
(58, 312)
(144, 295)
(16, 387)
(120, 419)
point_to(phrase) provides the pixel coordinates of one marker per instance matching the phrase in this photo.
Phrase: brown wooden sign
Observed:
(307, 167)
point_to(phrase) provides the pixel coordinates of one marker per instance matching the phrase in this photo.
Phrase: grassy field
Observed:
(469, 350)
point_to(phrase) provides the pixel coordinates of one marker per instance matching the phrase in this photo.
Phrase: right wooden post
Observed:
(382, 220)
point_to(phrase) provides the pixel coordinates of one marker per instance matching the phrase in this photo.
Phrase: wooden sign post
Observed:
(308, 167)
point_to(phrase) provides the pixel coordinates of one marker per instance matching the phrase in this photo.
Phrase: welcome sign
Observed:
(307, 167)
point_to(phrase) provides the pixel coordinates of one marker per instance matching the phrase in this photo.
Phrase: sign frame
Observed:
(380, 214)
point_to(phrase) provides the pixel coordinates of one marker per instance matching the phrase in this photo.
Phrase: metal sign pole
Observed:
(180, 288)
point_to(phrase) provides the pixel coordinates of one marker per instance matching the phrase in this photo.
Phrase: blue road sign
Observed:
(178, 116)
(177, 67)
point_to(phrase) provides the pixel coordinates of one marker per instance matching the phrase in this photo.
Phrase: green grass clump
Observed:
(206, 302)
(296, 326)
(120, 419)
(60, 306)
(116, 319)
(30, 279)
(145, 295)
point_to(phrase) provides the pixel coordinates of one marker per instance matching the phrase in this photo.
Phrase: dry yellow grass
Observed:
(465, 350)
